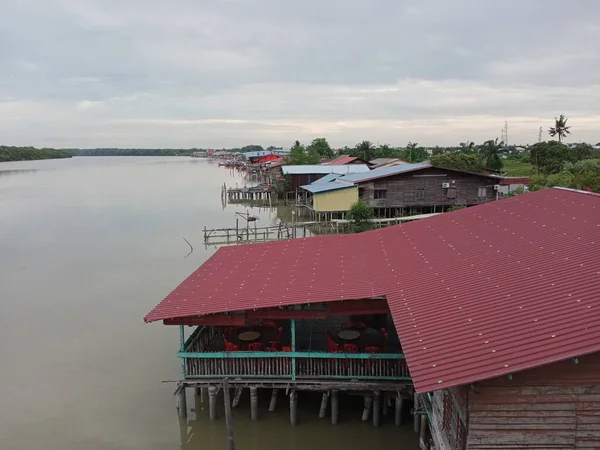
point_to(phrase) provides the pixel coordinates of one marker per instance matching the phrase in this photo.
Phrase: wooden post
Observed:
(228, 418)
(423, 433)
(368, 401)
(293, 326)
(334, 407)
(385, 403)
(416, 418)
(376, 408)
(324, 401)
(212, 402)
(198, 403)
(398, 412)
(182, 403)
(237, 395)
(273, 402)
(254, 403)
(293, 407)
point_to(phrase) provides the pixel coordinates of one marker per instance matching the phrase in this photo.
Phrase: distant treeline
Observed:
(30, 153)
(131, 151)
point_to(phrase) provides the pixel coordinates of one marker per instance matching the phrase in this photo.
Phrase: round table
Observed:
(248, 336)
(349, 335)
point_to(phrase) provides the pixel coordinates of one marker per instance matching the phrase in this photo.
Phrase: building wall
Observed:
(555, 406)
(401, 190)
(339, 200)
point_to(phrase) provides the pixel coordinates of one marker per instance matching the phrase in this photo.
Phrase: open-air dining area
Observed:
(352, 346)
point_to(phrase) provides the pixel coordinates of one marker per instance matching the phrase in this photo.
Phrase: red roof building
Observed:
(474, 294)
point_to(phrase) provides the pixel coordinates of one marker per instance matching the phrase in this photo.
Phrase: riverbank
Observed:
(31, 153)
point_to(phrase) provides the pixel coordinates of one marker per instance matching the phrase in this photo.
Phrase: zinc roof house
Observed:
(495, 308)
(305, 174)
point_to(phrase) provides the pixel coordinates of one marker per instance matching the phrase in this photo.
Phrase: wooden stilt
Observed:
(212, 402)
(423, 431)
(198, 405)
(273, 402)
(398, 410)
(324, 401)
(376, 408)
(293, 408)
(334, 407)
(236, 396)
(385, 403)
(417, 419)
(254, 403)
(228, 417)
(368, 402)
(182, 403)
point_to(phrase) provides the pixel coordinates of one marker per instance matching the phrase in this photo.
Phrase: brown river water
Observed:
(87, 247)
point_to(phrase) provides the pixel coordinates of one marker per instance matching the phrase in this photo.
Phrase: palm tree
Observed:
(560, 128)
(490, 154)
(410, 147)
(467, 147)
(365, 149)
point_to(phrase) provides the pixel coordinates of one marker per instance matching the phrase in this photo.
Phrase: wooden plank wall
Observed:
(551, 407)
(401, 189)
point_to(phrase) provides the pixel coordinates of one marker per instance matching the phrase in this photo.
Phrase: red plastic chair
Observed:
(286, 349)
(255, 347)
(227, 331)
(229, 346)
(371, 349)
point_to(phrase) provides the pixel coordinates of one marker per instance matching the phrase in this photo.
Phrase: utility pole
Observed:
(540, 135)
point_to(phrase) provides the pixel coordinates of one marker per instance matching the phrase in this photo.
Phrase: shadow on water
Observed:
(273, 430)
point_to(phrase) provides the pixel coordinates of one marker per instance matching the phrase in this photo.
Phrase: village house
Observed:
(399, 190)
(482, 324)
(380, 163)
(305, 174)
(344, 160)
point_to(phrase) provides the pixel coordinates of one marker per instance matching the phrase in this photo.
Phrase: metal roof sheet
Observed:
(312, 169)
(340, 160)
(327, 178)
(474, 294)
(385, 172)
(317, 188)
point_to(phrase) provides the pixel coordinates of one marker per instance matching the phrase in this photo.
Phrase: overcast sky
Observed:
(223, 73)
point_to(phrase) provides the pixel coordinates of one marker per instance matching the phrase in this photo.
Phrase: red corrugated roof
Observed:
(477, 293)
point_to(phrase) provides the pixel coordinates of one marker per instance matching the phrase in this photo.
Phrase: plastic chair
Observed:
(229, 346)
(255, 347)
(371, 349)
(227, 331)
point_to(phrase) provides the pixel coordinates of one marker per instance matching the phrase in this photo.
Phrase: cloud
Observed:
(229, 72)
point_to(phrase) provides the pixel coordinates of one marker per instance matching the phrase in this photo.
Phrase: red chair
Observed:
(286, 349)
(371, 349)
(255, 347)
(349, 348)
(227, 331)
(276, 343)
(229, 346)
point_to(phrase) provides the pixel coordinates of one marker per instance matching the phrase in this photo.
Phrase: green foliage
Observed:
(133, 152)
(560, 128)
(517, 191)
(365, 150)
(30, 153)
(517, 167)
(456, 207)
(583, 151)
(458, 161)
(300, 156)
(489, 152)
(360, 215)
(583, 175)
(549, 157)
(321, 147)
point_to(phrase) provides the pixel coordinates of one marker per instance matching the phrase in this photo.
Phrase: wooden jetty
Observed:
(256, 193)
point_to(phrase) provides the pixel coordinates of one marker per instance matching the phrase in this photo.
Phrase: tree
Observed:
(458, 161)
(365, 150)
(360, 215)
(301, 156)
(411, 146)
(549, 157)
(583, 151)
(321, 147)
(490, 154)
(467, 147)
(560, 128)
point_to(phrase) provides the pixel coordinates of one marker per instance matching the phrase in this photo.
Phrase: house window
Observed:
(419, 194)
(380, 194)
(361, 192)
(482, 192)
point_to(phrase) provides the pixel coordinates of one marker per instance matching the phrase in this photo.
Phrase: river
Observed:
(88, 246)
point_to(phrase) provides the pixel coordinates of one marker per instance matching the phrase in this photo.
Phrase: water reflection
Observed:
(7, 172)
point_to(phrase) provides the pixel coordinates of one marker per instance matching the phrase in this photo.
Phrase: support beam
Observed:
(273, 402)
(334, 407)
(254, 403)
(212, 402)
(198, 401)
(376, 408)
(237, 395)
(293, 408)
(385, 403)
(398, 410)
(228, 415)
(416, 418)
(293, 331)
(182, 348)
(324, 401)
(368, 402)
(182, 403)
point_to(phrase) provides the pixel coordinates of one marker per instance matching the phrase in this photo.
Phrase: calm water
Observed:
(87, 247)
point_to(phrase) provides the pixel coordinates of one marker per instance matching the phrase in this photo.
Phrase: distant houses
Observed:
(398, 190)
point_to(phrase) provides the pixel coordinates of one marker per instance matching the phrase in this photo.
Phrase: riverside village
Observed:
(460, 302)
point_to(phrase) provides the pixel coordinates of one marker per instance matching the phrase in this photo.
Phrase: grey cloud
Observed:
(71, 67)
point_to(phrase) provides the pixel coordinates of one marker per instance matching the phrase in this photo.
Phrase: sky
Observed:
(227, 73)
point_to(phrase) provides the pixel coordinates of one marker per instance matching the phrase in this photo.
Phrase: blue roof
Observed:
(327, 178)
(384, 172)
(318, 169)
(318, 188)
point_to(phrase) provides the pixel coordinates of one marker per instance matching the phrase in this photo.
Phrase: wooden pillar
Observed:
(293, 330)
(324, 401)
(237, 395)
(273, 402)
(212, 402)
(376, 408)
(182, 403)
(368, 402)
(416, 418)
(334, 407)
(228, 416)
(398, 410)
(254, 403)
(198, 400)
(385, 403)
(423, 433)
(293, 407)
